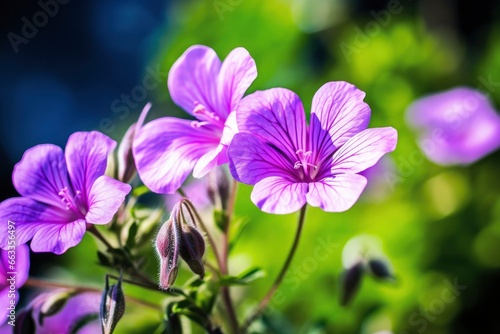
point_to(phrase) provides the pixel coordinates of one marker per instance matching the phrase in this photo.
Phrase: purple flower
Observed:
(15, 260)
(457, 127)
(291, 163)
(167, 149)
(62, 193)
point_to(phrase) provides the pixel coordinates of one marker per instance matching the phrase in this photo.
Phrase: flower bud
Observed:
(380, 269)
(167, 247)
(192, 242)
(219, 187)
(126, 164)
(351, 282)
(112, 306)
(192, 249)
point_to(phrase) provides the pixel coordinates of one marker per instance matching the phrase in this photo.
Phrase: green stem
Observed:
(269, 295)
(137, 273)
(226, 294)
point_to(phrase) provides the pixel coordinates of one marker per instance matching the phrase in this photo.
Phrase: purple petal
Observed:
(29, 216)
(193, 78)
(4, 311)
(57, 238)
(278, 195)
(337, 114)
(87, 156)
(336, 194)
(277, 116)
(364, 150)
(230, 129)
(251, 160)
(41, 174)
(237, 73)
(106, 196)
(207, 162)
(167, 149)
(21, 265)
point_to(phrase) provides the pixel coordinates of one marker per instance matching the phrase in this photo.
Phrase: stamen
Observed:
(70, 202)
(303, 162)
(196, 124)
(202, 113)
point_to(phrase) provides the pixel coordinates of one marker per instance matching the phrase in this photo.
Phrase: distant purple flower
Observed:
(291, 163)
(21, 267)
(167, 149)
(62, 193)
(457, 127)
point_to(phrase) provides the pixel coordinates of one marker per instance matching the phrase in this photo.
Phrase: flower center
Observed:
(73, 203)
(205, 117)
(305, 163)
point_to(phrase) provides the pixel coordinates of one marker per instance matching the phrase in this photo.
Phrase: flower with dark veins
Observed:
(167, 149)
(63, 193)
(291, 163)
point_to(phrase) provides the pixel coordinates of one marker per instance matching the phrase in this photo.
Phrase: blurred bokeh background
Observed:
(94, 65)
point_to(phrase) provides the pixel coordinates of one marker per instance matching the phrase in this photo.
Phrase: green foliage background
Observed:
(434, 223)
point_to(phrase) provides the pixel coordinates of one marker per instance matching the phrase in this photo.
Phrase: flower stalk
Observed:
(277, 282)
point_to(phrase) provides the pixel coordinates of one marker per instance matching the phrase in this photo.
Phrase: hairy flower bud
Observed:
(167, 247)
(180, 235)
(192, 249)
(192, 242)
(112, 306)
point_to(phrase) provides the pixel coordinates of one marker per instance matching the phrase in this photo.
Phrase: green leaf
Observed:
(103, 259)
(239, 226)
(132, 233)
(187, 308)
(139, 191)
(206, 296)
(220, 219)
(244, 278)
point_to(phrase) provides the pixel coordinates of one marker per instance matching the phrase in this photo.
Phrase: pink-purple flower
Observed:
(456, 127)
(167, 149)
(62, 193)
(14, 271)
(291, 163)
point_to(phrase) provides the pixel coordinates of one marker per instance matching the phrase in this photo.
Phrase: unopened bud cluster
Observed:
(180, 236)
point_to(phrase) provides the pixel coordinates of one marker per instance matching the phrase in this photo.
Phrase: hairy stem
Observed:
(269, 295)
